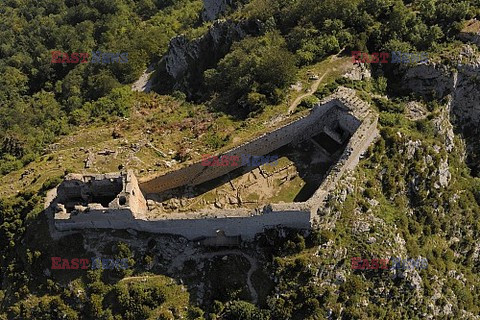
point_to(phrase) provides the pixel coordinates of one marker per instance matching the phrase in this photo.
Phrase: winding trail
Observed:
(179, 260)
(140, 277)
(313, 87)
(312, 91)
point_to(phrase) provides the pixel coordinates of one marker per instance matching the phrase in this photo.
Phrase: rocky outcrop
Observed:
(214, 8)
(471, 32)
(360, 71)
(463, 85)
(183, 66)
(429, 80)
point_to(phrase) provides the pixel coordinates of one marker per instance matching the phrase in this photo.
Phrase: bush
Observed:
(328, 89)
(253, 74)
(390, 119)
(309, 102)
(51, 183)
(476, 192)
(214, 141)
(179, 95)
(9, 164)
(242, 310)
(424, 126)
(385, 105)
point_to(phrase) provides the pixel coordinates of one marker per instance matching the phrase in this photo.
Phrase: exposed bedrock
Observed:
(185, 61)
(213, 9)
(463, 83)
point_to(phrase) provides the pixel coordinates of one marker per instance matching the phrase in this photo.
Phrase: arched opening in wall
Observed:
(122, 200)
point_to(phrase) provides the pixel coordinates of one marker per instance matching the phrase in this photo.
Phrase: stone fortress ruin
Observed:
(203, 201)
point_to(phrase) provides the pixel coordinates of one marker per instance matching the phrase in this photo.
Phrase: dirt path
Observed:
(178, 263)
(314, 86)
(144, 84)
(140, 277)
(311, 91)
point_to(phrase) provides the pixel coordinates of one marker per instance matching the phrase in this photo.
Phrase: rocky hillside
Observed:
(183, 65)
(214, 8)
(459, 81)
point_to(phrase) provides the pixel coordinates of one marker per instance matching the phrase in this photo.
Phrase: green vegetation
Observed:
(308, 102)
(398, 195)
(254, 73)
(39, 100)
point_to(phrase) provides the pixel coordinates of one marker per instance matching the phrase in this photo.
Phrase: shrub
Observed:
(388, 105)
(214, 141)
(242, 310)
(309, 102)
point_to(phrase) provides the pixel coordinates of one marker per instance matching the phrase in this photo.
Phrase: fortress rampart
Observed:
(123, 206)
(331, 113)
(83, 198)
(195, 227)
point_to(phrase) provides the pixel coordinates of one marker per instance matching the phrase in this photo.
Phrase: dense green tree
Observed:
(253, 72)
(242, 310)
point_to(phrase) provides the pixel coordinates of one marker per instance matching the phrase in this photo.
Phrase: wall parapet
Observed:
(120, 202)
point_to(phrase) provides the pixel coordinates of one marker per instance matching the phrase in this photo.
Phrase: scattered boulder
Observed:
(89, 161)
(360, 71)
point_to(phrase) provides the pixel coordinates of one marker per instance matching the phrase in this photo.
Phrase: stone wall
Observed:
(322, 115)
(344, 111)
(136, 200)
(78, 198)
(357, 145)
(246, 227)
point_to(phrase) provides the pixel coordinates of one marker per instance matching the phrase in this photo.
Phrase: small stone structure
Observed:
(86, 200)
(117, 201)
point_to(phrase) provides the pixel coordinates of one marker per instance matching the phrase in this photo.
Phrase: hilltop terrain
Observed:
(223, 72)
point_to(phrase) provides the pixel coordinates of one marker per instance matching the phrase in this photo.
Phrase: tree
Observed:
(242, 310)
(253, 73)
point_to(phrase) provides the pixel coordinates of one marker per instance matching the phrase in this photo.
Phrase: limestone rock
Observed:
(360, 226)
(214, 8)
(444, 175)
(359, 71)
(444, 128)
(426, 79)
(415, 110)
(411, 148)
(461, 83)
(185, 61)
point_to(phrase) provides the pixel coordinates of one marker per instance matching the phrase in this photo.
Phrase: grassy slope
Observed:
(165, 123)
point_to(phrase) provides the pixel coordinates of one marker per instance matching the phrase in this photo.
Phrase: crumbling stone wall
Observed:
(343, 108)
(357, 145)
(86, 198)
(328, 114)
(245, 226)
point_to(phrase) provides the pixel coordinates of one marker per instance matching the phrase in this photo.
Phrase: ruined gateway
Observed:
(119, 201)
